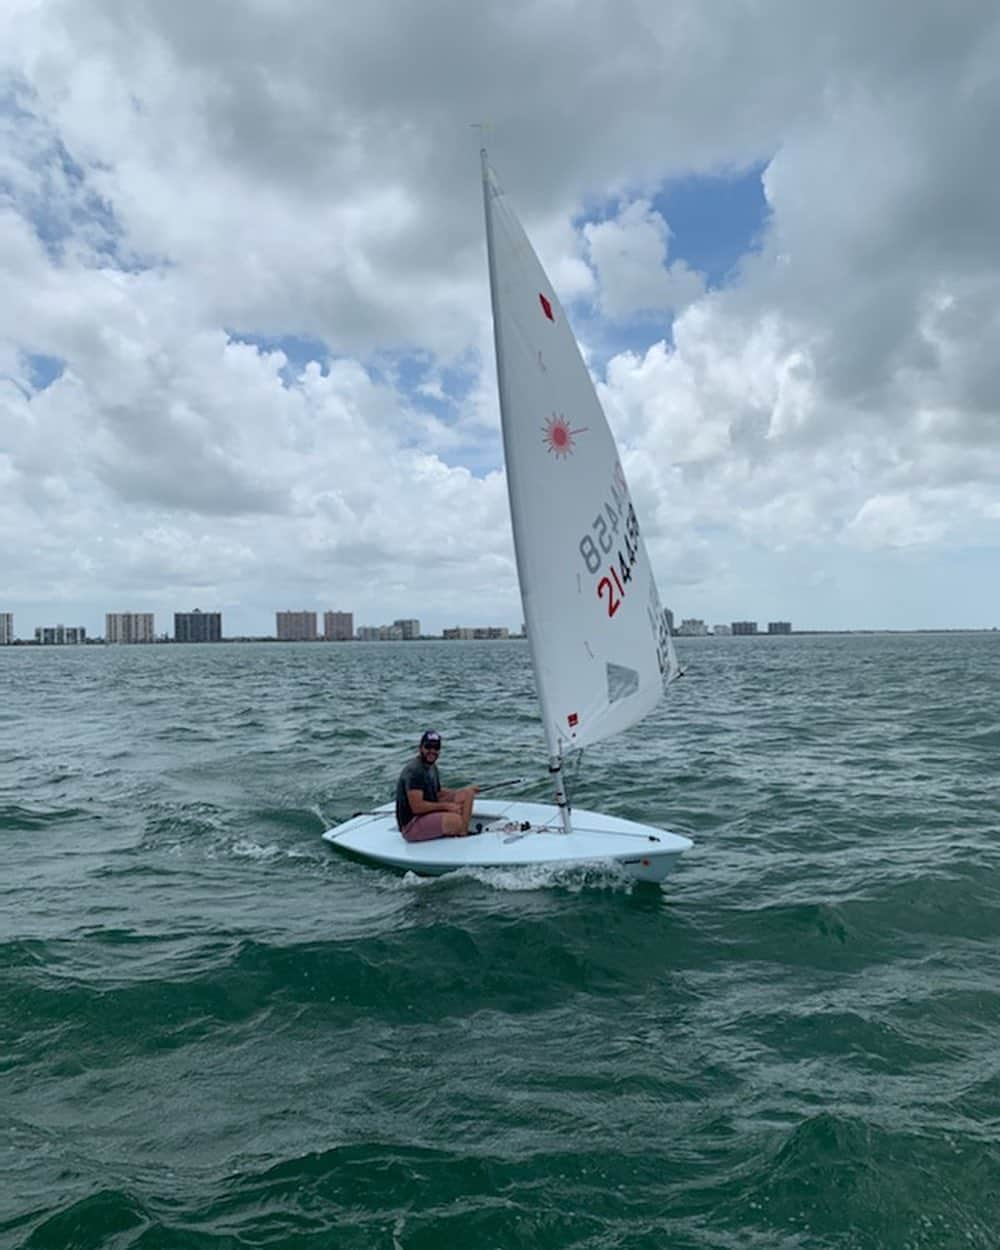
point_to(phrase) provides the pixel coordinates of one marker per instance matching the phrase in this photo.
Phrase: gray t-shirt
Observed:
(415, 776)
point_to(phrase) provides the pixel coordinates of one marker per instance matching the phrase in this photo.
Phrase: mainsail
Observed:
(599, 641)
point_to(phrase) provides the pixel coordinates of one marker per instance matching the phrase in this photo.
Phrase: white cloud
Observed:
(630, 256)
(178, 185)
(896, 521)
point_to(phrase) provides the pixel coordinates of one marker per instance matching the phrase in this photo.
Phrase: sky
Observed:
(246, 357)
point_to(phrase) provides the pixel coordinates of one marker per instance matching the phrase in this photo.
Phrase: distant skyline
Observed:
(723, 628)
(245, 343)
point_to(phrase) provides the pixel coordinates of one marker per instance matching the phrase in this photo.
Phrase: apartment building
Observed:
(338, 626)
(128, 627)
(197, 626)
(60, 635)
(296, 626)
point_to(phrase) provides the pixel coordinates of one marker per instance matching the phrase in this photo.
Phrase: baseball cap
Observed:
(431, 738)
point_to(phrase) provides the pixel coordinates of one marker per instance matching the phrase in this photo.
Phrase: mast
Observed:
(554, 748)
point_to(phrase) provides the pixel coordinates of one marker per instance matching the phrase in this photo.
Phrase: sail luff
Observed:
(554, 747)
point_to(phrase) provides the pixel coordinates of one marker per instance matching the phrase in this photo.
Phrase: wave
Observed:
(18, 818)
(849, 1180)
(573, 878)
(106, 1218)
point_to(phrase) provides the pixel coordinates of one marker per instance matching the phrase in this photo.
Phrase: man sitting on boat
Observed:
(423, 809)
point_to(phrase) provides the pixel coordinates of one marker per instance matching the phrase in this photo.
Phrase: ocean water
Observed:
(215, 1032)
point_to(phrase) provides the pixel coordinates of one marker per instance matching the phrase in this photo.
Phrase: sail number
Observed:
(612, 547)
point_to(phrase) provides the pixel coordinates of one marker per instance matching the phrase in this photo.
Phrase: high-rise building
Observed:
(6, 628)
(60, 635)
(128, 627)
(409, 629)
(296, 626)
(338, 626)
(779, 627)
(692, 627)
(197, 626)
(744, 627)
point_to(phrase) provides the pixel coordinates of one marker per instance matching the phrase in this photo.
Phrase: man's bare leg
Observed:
(453, 825)
(465, 797)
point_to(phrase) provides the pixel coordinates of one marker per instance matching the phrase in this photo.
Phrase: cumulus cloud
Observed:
(630, 257)
(896, 521)
(245, 338)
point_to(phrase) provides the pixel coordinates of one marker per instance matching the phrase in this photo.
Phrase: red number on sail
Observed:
(613, 603)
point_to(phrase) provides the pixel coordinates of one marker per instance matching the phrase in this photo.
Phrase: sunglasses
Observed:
(432, 746)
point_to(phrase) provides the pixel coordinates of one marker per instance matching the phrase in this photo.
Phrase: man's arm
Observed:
(420, 806)
(455, 796)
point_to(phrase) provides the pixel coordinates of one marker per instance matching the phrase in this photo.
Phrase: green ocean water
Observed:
(215, 1032)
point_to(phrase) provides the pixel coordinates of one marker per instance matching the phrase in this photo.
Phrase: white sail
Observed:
(599, 640)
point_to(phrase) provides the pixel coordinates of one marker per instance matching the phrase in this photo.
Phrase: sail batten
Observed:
(599, 642)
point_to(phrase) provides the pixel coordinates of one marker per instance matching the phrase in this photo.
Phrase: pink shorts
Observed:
(423, 828)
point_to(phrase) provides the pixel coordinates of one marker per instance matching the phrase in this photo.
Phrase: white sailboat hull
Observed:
(515, 835)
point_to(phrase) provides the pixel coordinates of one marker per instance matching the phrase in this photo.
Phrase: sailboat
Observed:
(600, 643)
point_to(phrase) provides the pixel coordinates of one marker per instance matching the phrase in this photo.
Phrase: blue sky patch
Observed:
(714, 222)
(298, 351)
(64, 206)
(409, 372)
(412, 371)
(83, 212)
(45, 370)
